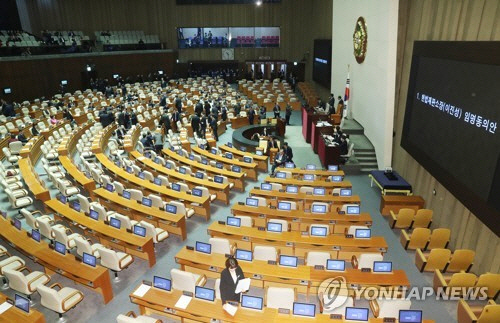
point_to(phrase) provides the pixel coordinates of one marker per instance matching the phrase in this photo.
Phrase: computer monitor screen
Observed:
(115, 223)
(141, 175)
(76, 206)
(230, 145)
(410, 316)
(207, 294)
(110, 187)
(345, 192)
(219, 165)
(303, 309)
(168, 165)
(354, 209)
(363, 233)
(319, 191)
(196, 192)
(236, 169)
(171, 208)
(292, 189)
(382, 266)
(162, 283)
(289, 261)
(308, 177)
(126, 195)
(318, 208)
(7, 90)
(129, 170)
(176, 187)
(213, 151)
(157, 160)
(318, 231)
(310, 167)
(191, 157)
(333, 168)
(280, 175)
(147, 201)
(60, 247)
(266, 187)
(63, 199)
(285, 206)
(17, 224)
(94, 215)
(247, 159)
(22, 303)
(233, 221)
(182, 170)
(157, 181)
(147, 154)
(140, 231)
(35, 234)
(252, 302)
(274, 227)
(64, 82)
(252, 202)
(89, 259)
(199, 175)
(203, 247)
(115, 76)
(336, 178)
(289, 165)
(335, 265)
(259, 152)
(243, 255)
(229, 155)
(356, 314)
(218, 179)
(118, 163)
(204, 161)
(243, 149)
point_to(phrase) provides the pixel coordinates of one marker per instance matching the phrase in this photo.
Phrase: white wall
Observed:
(373, 82)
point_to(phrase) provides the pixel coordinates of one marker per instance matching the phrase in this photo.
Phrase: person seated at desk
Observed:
(272, 143)
(344, 147)
(229, 279)
(53, 120)
(34, 130)
(277, 111)
(258, 136)
(147, 141)
(279, 160)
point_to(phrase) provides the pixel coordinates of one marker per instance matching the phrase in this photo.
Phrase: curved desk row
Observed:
(14, 314)
(317, 183)
(260, 160)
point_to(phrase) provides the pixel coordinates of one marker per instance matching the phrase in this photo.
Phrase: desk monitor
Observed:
(243, 149)
(146, 201)
(191, 157)
(303, 309)
(213, 151)
(4, 214)
(289, 165)
(259, 152)
(60, 247)
(266, 187)
(64, 82)
(129, 170)
(318, 231)
(252, 302)
(109, 187)
(162, 283)
(141, 175)
(218, 179)
(252, 202)
(219, 165)
(230, 144)
(285, 206)
(274, 227)
(206, 294)
(62, 199)
(243, 255)
(35, 235)
(157, 181)
(118, 163)
(320, 191)
(333, 168)
(336, 178)
(247, 159)
(280, 175)
(288, 261)
(76, 206)
(319, 208)
(352, 209)
(89, 259)
(7, 90)
(382, 267)
(17, 224)
(182, 170)
(202, 146)
(229, 155)
(292, 189)
(199, 175)
(157, 160)
(94, 215)
(126, 194)
(345, 192)
(196, 192)
(310, 167)
(115, 223)
(172, 148)
(356, 314)
(140, 231)
(410, 316)
(176, 187)
(335, 265)
(168, 165)
(308, 177)
(203, 247)
(236, 169)
(22, 303)
(204, 161)
(363, 234)
(147, 154)
(180, 152)
(171, 208)
(233, 221)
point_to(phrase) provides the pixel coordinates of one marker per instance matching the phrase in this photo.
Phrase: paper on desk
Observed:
(243, 285)
(142, 290)
(4, 306)
(230, 309)
(183, 302)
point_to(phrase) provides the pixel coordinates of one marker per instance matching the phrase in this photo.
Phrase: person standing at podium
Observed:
(229, 279)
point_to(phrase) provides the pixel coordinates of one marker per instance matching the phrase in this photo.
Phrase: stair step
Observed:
(366, 158)
(367, 170)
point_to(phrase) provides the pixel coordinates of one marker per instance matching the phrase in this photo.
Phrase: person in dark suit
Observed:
(34, 130)
(331, 101)
(8, 109)
(288, 114)
(203, 125)
(213, 126)
(262, 112)
(288, 152)
(176, 116)
(198, 109)
(195, 124)
(133, 119)
(165, 121)
(224, 113)
(121, 118)
(178, 104)
(344, 148)
(229, 279)
(207, 108)
(279, 159)
(277, 111)
(251, 116)
(272, 143)
(237, 110)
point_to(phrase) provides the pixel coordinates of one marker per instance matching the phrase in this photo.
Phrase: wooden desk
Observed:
(85, 182)
(394, 203)
(237, 178)
(115, 238)
(239, 122)
(300, 220)
(173, 223)
(293, 243)
(248, 168)
(260, 160)
(316, 132)
(14, 314)
(328, 155)
(33, 182)
(318, 172)
(308, 118)
(96, 278)
(317, 183)
(220, 190)
(201, 205)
